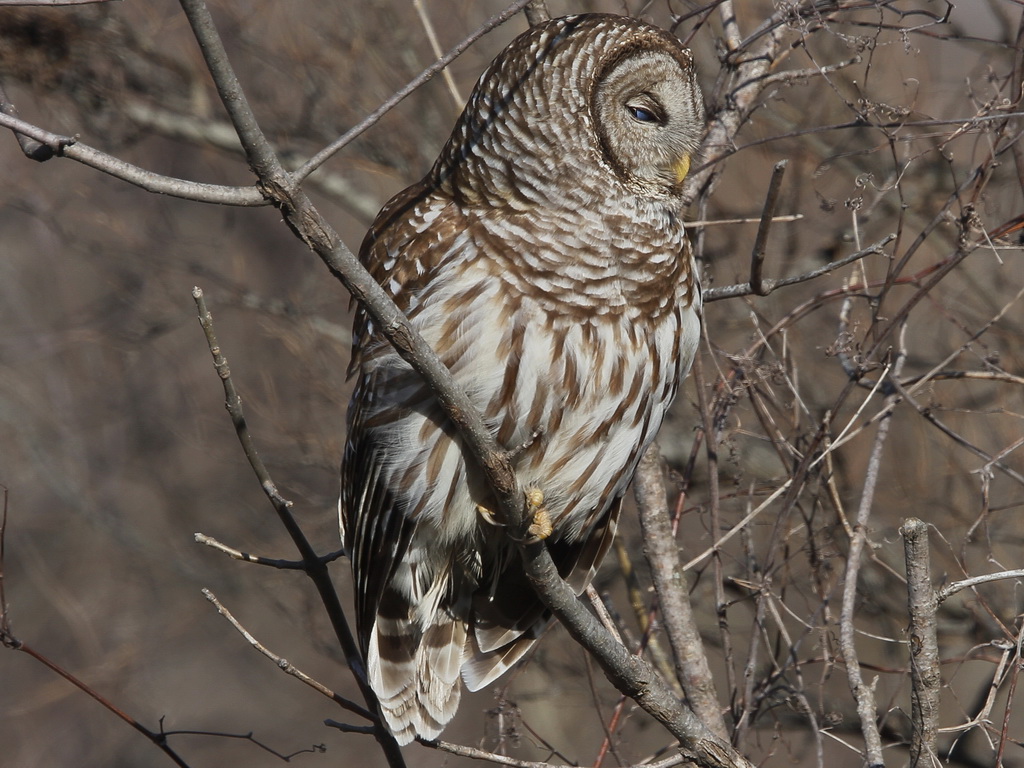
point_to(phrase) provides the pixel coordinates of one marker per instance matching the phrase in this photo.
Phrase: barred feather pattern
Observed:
(544, 259)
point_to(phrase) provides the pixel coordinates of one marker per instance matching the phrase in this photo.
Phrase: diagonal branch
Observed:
(670, 583)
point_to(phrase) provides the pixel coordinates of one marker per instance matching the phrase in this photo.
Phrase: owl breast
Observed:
(571, 347)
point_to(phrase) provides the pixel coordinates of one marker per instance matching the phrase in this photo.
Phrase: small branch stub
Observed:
(761, 241)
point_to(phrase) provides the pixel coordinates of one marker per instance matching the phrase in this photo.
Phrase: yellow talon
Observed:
(541, 526)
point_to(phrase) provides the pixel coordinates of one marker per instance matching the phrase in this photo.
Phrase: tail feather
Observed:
(415, 674)
(439, 660)
(481, 668)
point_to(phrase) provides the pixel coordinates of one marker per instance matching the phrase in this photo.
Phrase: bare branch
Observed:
(761, 241)
(315, 567)
(692, 668)
(926, 678)
(435, 46)
(951, 589)
(744, 84)
(371, 119)
(862, 692)
(726, 222)
(286, 666)
(288, 565)
(71, 148)
(220, 134)
(767, 286)
(157, 738)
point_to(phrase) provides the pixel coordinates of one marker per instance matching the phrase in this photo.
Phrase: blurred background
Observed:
(115, 447)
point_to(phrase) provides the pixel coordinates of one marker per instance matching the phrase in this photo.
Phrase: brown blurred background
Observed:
(115, 447)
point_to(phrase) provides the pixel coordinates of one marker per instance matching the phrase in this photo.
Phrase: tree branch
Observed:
(767, 286)
(71, 148)
(315, 567)
(286, 666)
(863, 693)
(925, 676)
(670, 583)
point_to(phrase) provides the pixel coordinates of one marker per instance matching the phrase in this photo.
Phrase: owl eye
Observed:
(642, 114)
(645, 108)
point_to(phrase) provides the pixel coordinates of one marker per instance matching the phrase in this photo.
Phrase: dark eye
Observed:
(641, 114)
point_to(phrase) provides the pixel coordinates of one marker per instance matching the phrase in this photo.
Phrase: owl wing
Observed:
(397, 251)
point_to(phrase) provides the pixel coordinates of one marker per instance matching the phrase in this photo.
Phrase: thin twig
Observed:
(315, 568)
(951, 589)
(743, 84)
(931, 418)
(206, 132)
(863, 693)
(156, 737)
(645, 615)
(5, 624)
(237, 554)
(745, 289)
(718, 222)
(285, 665)
(398, 96)
(435, 46)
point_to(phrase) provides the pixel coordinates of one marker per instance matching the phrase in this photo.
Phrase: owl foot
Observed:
(541, 527)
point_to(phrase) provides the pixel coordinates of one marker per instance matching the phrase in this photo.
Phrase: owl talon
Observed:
(535, 498)
(516, 451)
(541, 527)
(487, 515)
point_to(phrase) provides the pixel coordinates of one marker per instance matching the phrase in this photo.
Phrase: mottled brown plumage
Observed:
(543, 258)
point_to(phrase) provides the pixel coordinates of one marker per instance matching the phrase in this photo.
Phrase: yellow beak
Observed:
(681, 168)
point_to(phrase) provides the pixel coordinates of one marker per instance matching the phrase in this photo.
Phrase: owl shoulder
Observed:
(410, 237)
(404, 250)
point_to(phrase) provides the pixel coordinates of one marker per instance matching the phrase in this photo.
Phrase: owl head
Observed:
(593, 102)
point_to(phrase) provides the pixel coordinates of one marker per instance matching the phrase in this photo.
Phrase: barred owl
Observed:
(543, 258)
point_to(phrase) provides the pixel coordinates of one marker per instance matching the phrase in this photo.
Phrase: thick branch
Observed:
(924, 645)
(670, 582)
(630, 674)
